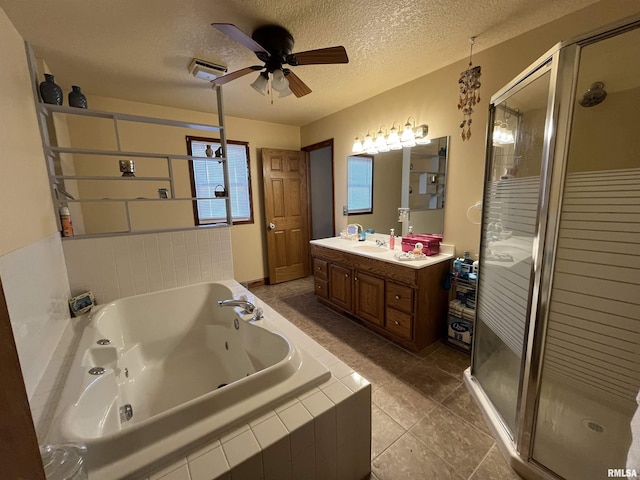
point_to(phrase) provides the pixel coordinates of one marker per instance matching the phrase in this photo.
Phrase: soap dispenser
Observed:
(392, 240)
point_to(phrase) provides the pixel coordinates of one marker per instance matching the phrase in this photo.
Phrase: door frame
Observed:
(308, 149)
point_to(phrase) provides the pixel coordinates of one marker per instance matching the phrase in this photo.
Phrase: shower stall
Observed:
(556, 355)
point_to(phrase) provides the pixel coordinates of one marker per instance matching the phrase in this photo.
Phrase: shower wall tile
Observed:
(34, 279)
(115, 267)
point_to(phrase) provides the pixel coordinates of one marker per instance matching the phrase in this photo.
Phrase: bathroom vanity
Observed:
(404, 301)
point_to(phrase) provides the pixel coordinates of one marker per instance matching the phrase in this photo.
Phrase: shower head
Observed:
(594, 96)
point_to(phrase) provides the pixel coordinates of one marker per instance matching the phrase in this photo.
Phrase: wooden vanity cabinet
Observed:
(404, 304)
(369, 298)
(341, 285)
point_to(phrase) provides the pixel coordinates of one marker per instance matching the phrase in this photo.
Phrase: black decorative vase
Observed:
(77, 98)
(50, 91)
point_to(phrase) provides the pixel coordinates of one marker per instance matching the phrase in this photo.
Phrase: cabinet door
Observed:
(340, 286)
(369, 295)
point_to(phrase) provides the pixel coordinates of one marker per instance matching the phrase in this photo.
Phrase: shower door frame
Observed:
(563, 63)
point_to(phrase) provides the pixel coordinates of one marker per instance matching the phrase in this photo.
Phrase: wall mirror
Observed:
(414, 178)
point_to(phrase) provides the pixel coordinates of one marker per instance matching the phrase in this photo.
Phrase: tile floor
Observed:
(425, 424)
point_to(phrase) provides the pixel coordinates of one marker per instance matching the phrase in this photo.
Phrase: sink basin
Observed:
(370, 249)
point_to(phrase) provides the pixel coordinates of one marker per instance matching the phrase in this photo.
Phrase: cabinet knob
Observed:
(397, 297)
(396, 322)
(355, 278)
(346, 275)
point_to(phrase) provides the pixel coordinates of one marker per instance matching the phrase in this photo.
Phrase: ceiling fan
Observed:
(272, 45)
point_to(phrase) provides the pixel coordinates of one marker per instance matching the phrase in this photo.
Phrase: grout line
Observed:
(481, 462)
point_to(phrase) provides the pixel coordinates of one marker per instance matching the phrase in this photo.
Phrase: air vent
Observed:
(206, 70)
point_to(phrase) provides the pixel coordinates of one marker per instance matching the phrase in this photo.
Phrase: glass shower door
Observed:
(591, 367)
(509, 230)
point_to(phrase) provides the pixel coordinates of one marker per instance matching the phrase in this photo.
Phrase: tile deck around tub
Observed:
(324, 433)
(419, 404)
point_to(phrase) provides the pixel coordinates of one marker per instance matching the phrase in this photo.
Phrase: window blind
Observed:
(209, 175)
(360, 184)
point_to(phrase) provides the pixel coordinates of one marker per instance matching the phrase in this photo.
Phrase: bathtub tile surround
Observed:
(121, 266)
(35, 284)
(424, 422)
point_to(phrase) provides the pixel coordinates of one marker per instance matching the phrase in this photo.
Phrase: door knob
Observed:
(272, 226)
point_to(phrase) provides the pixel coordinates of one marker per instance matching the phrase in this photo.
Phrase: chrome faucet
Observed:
(247, 306)
(381, 243)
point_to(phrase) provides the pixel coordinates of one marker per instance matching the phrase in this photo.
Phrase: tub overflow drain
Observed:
(222, 385)
(96, 371)
(104, 341)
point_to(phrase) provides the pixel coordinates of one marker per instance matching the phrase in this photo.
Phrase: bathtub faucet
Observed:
(248, 306)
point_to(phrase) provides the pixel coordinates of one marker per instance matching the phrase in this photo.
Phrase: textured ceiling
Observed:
(140, 50)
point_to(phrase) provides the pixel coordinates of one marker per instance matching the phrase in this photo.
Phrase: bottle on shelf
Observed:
(65, 221)
(392, 240)
(410, 233)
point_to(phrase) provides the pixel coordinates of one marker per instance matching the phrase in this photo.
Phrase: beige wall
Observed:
(249, 248)
(433, 98)
(26, 209)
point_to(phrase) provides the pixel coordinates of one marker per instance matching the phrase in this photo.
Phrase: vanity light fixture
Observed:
(383, 142)
(421, 134)
(393, 140)
(408, 138)
(357, 145)
(369, 145)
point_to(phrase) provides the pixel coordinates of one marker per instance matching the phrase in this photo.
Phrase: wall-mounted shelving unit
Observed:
(53, 154)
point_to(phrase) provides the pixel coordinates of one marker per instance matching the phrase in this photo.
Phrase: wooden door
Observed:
(340, 286)
(286, 213)
(369, 296)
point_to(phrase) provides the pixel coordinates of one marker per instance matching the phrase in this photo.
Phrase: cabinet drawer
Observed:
(399, 323)
(321, 288)
(399, 297)
(320, 268)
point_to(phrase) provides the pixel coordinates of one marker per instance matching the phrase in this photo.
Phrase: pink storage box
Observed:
(430, 243)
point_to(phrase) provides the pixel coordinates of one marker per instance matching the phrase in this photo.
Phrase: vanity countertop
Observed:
(369, 249)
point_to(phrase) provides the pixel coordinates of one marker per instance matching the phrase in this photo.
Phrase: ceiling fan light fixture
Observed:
(278, 81)
(261, 83)
(285, 92)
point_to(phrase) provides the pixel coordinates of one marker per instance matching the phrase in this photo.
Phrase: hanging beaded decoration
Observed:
(469, 95)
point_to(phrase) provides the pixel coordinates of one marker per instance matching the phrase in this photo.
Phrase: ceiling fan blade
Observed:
(239, 36)
(237, 74)
(320, 56)
(297, 86)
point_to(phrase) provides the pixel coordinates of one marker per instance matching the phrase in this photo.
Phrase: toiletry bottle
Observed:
(65, 220)
(410, 233)
(392, 240)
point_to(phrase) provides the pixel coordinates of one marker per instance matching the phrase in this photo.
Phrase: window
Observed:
(206, 176)
(359, 185)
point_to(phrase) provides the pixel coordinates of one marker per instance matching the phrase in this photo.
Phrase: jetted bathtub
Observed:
(178, 370)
